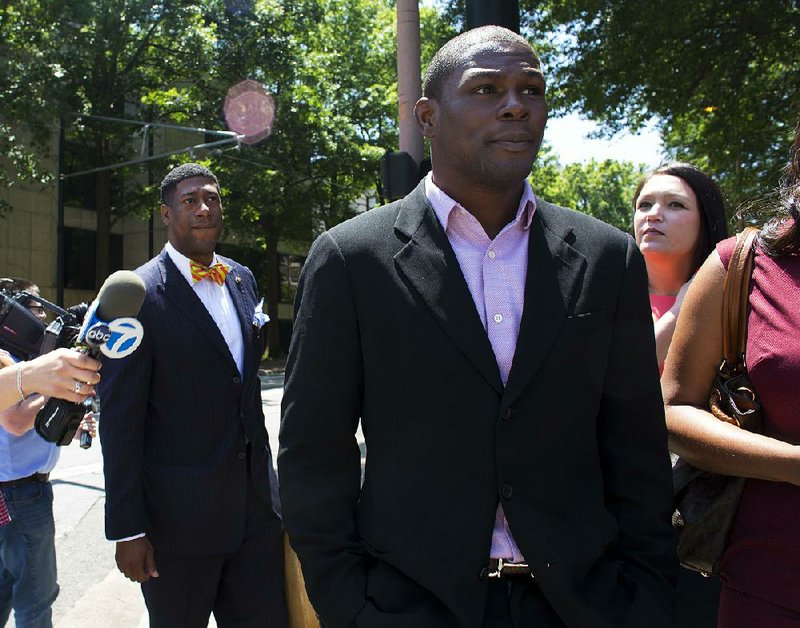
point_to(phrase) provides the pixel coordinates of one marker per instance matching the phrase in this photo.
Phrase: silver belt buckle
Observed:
(499, 572)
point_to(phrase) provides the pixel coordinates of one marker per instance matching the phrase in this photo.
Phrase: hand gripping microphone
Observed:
(109, 327)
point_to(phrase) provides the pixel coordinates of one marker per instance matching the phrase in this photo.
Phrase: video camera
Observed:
(26, 336)
(107, 326)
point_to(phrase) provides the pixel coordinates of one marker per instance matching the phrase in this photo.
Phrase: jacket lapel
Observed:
(554, 280)
(430, 265)
(177, 290)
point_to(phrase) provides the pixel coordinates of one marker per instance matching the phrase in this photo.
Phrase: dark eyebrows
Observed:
(471, 75)
(196, 191)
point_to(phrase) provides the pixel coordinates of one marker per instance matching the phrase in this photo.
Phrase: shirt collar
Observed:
(443, 205)
(182, 262)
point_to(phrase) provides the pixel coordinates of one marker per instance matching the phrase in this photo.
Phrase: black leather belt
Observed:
(36, 477)
(499, 568)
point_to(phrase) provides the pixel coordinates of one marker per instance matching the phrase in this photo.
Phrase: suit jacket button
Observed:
(507, 414)
(241, 455)
(484, 574)
(237, 380)
(506, 491)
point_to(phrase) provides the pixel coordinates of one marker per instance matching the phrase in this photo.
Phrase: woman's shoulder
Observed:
(725, 250)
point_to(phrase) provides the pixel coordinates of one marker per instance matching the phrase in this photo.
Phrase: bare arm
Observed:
(53, 374)
(18, 419)
(693, 360)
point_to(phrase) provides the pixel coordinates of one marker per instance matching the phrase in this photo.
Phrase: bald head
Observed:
(460, 49)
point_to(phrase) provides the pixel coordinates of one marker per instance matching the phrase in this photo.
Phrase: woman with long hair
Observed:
(678, 218)
(761, 565)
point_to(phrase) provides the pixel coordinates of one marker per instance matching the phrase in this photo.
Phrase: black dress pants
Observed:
(244, 589)
(518, 603)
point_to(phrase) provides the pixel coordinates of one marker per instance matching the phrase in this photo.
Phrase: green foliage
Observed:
(601, 189)
(330, 65)
(721, 76)
(62, 58)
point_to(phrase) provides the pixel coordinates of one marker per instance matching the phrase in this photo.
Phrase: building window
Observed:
(80, 260)
(289, 268)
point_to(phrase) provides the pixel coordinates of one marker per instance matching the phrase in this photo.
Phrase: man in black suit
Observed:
(190, 489)
(498, 351)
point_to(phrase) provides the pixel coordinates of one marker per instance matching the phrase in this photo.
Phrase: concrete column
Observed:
(409, 87)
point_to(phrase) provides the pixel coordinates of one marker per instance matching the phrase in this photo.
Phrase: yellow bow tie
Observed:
(216, 273)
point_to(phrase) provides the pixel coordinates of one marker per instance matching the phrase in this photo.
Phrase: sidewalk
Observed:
(93, 592)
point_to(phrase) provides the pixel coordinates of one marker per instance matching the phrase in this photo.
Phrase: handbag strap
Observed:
(735, 301)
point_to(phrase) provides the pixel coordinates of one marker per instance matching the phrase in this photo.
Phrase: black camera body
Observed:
(26, 337)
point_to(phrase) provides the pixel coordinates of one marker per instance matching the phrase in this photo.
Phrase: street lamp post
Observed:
(408, 78)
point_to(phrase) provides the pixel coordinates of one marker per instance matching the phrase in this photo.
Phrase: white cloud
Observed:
(569, 138)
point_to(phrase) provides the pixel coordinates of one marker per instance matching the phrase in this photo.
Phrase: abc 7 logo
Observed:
(124, 337)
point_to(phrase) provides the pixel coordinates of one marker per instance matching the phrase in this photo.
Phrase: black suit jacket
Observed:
(175, 419)
(574, 445)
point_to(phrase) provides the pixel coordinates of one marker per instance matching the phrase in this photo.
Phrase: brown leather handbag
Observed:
(706, 503)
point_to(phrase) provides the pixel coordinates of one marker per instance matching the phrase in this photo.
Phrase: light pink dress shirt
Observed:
(495, 272)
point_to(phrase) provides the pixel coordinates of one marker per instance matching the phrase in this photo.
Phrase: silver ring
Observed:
(78, 386)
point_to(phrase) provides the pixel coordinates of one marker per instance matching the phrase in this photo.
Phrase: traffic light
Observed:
(399, 174)
(499, 12)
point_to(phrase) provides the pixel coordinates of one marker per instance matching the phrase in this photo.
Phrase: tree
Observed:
(720, 76)
(601, 189)
(95, 57)
(331, 68)
(330, 65)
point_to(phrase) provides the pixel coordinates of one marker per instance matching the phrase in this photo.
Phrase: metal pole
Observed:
(408, 77)
(60, 217)
(150, 219)
(133, 162)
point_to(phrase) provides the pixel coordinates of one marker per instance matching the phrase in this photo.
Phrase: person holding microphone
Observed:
(28, 581)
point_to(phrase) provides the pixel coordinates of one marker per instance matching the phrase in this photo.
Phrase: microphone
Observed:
(109, 327)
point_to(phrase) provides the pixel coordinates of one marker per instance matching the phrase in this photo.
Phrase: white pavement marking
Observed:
(70, 472)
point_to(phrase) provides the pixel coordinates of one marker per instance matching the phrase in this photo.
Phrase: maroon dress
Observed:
(761, 567)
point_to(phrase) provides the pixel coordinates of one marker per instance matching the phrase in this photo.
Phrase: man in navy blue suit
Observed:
(190, 489)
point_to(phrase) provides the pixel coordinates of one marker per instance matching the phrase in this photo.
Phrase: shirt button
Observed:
(237, 380)
(506, 491)
(491, 254)
(498, 318)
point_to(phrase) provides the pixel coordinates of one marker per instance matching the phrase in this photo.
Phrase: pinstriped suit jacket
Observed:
(176, 417)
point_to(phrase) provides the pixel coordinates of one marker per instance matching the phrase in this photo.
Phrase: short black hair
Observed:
(713, 221)
(184, 171)
(450, 56)
(15, 284)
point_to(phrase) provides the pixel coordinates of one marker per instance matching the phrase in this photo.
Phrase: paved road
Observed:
(93, 593)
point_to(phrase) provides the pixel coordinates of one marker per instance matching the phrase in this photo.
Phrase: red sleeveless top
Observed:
(763, 557)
